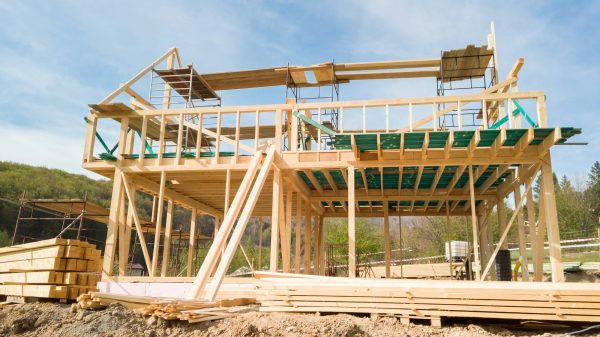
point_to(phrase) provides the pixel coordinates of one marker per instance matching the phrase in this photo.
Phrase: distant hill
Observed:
(41, 182)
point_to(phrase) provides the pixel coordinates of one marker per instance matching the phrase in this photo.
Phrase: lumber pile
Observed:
(425, 270)
(170, 309)
(433, 298)
(56, 268)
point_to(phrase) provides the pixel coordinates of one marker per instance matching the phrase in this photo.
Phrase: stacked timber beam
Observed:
(433, 298)
(56, 268)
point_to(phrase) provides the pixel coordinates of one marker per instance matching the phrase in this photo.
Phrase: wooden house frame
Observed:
(297, 172)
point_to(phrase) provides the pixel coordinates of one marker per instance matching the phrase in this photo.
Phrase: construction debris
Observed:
(56, 268)
(170, 309)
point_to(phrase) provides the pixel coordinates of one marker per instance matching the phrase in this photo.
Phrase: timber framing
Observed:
(284, 167)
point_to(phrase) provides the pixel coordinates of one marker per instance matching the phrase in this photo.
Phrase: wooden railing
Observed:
(238, 131)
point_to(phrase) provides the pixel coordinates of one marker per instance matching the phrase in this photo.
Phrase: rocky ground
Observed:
(53, 319)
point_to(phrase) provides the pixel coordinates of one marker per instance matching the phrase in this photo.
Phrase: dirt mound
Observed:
(62, 320)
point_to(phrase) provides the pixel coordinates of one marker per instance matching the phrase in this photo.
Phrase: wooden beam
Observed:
(522, 237)
(167, 241)
(551, 217)
(138, 76)
(313, 180)
(298, 232)
(208, 266)
(192, 244)
(150, 185)
(277, 190)
(159, 216)
(386, 239)
(503, 238)
(476, 264)
(307, 237)
(240, 227)
(351, 225)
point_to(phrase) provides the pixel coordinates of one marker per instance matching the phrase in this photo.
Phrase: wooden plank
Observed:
(351, 224)
(236, 236)
(209, 263)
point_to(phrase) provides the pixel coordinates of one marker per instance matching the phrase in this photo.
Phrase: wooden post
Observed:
(261, 221)
(288, 229)
(121, 252)
(112, 232)
(502, 238)
(298, 232)
(502, 219)
(551, 218)
(192, 244)
(386, 238)
(351, 224)
(159, 216)
(208, 265)
(126, 242)
(136, 220)
(307, 236)
(401, 246)
(522, 238)
(317, 258)
(238, 232)
(167, 241)
(538, 259)
(476, 263)
(274, 255)
(449, 229)
(321, 245)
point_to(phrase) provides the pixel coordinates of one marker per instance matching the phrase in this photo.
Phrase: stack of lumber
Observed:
(170, 309)
(426, 270)
(433, 298)
(55, 268)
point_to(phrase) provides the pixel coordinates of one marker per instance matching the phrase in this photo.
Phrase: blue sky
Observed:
(58, 56)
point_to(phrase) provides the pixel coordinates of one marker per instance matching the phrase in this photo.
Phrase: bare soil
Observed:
(53, 319)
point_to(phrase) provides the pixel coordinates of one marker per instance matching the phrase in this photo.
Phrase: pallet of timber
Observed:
(433, 298)
(55, 268)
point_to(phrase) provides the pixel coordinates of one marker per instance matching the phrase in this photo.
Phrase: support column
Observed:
(274, 254)
(532, 230)
(321, 245)
(125, 245)
(307, 236)
(502, 220)
(476, 262)
(317, 258)
(261, 221)
(116, 221)
(541, 236)
(551, 218)
(386, 239)
(159, 217)
(522, 237)
(298, 232)
(449, 230)
(122, 237)
(112, 232)
(288, 228)
(351, 224)
(192, 243)
(167, 241)
(401, 252)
